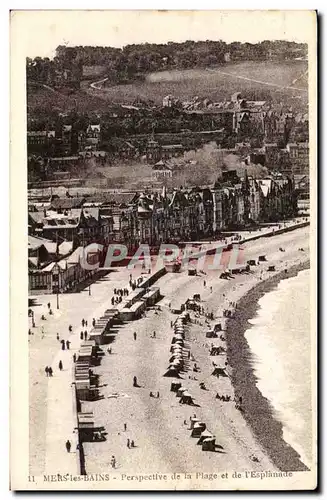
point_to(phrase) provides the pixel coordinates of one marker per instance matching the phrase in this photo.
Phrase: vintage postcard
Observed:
(163, 272)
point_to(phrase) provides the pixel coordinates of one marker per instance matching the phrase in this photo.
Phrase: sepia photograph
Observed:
(164, 267)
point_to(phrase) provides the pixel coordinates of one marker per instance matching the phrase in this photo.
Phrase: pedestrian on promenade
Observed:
(93, 322)
(70, 328)
(81, 336)
(49, 305)
(113, 462)
(85, 335)
(154, 334)
(83, 322)
(67, 344)
(134, 381)
(50, 371)
(132, 444)
(134, 335)
(62, 345)
(58, 336)
(47, 371)
(68, 445)
(74, 357)
(127, 443)
(125, 427)
(60, 365)
(115, 291)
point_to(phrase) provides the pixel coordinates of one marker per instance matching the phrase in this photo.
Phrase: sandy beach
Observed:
(162, 439)
(157, 425)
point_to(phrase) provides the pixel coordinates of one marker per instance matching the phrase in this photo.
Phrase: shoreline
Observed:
(266, 428)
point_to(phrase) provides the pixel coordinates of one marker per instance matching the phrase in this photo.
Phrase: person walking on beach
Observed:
(81, 336)
(47, 371)
(83, 322)
(58, 336)
(67, 344)
(93, 322)
(70, 328)
(62, 345)
(68, 445)
(60, 365)
(113, 462)
(211, 289)
(204, 283)
(134, 335)
(85, 335)
(132, 444)
(125, 427)
(154, 334)
(128, 442)
(50, 371)
(134, 381)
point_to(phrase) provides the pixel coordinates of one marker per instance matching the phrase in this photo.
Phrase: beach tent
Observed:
(180, 391)
(186, 399)
(219, 372)
(211, 334)
(198, 428)
(175, 386)
(209, 444)
(176, 338)
(194, 421)
(172, 372)
(205, 434)
(176, 356)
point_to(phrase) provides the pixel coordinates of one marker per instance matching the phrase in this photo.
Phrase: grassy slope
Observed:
(186, 84)
(215, 85)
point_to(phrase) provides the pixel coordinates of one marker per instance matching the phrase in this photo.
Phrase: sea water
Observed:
(280, 342)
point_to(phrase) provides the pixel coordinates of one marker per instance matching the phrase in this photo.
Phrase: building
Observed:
(299, 158)
(161, 171)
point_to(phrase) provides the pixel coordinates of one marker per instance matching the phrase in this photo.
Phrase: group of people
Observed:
(121, 291)
(48, 370)
(116, 300)
(84, 322)
(223, 398)
(64, 343)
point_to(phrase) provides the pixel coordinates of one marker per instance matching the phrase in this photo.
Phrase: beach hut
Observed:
(172, 372)
(209, 444)
(186, 399)
(262, 258)
(205, 434)
(175, 386)
(198, 428)
(219, 372)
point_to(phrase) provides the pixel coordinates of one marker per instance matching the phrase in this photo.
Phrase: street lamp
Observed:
(55, 272)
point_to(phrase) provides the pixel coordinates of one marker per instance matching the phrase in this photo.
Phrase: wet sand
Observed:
(258, 411)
